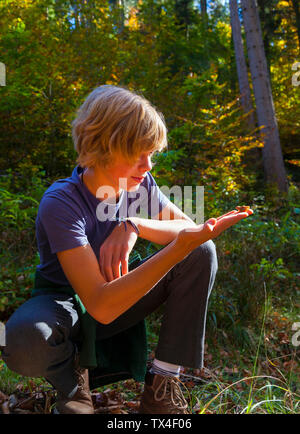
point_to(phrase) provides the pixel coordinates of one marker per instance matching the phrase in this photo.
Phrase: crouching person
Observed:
(84, 325)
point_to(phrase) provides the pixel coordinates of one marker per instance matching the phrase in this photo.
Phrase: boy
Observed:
(85, 298)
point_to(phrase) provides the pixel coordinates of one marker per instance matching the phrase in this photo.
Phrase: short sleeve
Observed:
(62, 224)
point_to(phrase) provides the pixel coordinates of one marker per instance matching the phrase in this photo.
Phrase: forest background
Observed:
(181, 56)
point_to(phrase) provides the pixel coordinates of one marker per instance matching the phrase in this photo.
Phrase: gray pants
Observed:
(40, 334)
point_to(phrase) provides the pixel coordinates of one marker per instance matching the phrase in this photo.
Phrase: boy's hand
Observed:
(115, 251)
(192, 237)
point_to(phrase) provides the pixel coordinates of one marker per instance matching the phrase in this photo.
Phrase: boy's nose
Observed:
(146, 164)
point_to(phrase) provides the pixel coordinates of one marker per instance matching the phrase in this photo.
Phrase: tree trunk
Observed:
(263, 19)
(203, 7)
(296, 8)
(272, 155)
(241, 66)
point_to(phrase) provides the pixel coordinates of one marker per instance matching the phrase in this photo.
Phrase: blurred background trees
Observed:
(182, 56)
(178, 53)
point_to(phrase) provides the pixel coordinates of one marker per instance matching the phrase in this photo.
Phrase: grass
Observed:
(233, 398)
(262, 379)
(251, 365)
(11, 383)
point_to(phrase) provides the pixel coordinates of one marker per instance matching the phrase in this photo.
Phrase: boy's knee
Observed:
(25, 350)
(206, 255)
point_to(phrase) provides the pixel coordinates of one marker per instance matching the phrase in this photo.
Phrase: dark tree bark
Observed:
(203, 7)
(241, 65)
(272, 154)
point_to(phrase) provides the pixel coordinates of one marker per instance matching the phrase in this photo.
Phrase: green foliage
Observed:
(56, 54)
(19, 200)
(257, 256)
(10, 381)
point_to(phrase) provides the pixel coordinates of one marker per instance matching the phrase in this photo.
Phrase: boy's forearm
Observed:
(160, 231)
(117, 296)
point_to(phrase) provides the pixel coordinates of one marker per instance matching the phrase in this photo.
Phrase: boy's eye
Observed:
(154, 154)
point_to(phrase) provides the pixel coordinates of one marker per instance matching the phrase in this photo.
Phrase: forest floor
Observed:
(265, 380)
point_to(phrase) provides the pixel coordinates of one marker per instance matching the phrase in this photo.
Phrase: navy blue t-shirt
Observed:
(70, 216)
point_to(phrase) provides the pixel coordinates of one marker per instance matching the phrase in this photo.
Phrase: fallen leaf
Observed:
(112, 402)
(291, 364)
(118, 411)
(132, 404)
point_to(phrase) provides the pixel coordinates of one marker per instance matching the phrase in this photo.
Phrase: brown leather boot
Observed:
(162, 395)
(81, 402)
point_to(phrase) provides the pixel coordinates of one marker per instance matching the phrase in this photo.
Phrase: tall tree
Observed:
(203, 8)
(272, 155)
(241, 65)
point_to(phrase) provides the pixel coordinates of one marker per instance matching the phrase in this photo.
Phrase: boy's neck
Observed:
(92, 183)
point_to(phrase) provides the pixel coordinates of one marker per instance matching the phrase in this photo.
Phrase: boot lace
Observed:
(79, 374)
(79, 371)
(170, 386)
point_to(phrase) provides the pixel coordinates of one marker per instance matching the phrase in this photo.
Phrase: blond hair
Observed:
(113, 120)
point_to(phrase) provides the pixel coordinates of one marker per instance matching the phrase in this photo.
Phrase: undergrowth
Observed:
(251, 359)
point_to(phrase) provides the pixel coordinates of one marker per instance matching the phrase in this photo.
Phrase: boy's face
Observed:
(132, 174)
